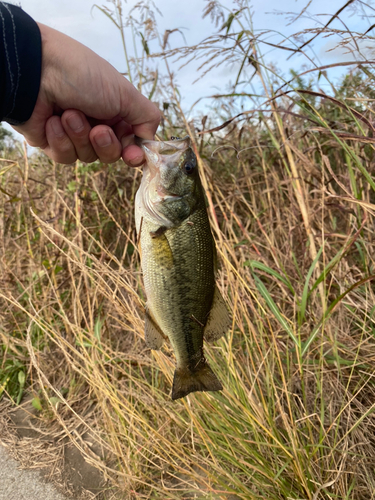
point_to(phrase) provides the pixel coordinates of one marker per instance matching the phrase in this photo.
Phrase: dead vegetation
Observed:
(290, 193)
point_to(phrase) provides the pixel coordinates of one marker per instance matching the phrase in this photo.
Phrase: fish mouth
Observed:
(161, 153)
(163, 147)
(158, 152)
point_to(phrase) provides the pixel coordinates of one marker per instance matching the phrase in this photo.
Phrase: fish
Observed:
(178, 261)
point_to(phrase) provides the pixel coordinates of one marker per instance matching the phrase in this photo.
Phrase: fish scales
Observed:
(181, 294)
(178, 258)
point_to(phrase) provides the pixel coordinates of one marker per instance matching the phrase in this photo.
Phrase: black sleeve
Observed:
(20, 64)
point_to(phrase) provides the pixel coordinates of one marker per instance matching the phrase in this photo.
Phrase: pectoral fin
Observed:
(159, 232)
(219, 320)
(161, 250)
(153, 335)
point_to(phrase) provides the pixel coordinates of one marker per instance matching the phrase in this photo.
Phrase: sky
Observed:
(78, 19)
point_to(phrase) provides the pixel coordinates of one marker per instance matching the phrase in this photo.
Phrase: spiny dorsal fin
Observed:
(219, 321)
(153, 335)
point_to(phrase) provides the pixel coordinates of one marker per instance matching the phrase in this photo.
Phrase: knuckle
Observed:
(86, 158)
(156, 114)
(63, 151)
(65, 159)
(34, 144)
(64, 148)
(40, 142)
(109, 158)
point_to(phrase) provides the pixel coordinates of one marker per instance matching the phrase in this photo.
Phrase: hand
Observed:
(85, 108)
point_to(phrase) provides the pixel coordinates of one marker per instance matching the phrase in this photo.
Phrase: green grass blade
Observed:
(275, 310)
(305, 293)
(254, 264)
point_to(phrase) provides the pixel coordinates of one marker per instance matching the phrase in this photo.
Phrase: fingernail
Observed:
(135, 162)
(75, 122)
(57, 128)
(103, 139)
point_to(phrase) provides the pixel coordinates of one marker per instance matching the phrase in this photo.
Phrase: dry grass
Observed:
(292, 212)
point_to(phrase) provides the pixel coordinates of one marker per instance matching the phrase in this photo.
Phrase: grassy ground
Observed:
(290, 195)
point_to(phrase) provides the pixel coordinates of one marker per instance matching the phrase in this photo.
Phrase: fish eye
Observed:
(189, 167)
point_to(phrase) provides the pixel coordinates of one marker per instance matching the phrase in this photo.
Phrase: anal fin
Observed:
(219, 320)
(153, 335)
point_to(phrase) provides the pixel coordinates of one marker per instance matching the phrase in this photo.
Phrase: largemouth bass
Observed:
(178, 258)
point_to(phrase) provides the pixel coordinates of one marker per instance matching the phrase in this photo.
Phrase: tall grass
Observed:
(290, 194)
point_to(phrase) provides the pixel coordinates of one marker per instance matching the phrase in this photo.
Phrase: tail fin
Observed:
(202, 379)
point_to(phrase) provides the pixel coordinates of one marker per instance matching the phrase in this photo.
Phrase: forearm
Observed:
(20, 64)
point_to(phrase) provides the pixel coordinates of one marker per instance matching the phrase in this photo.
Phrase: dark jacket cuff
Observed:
(20, 64)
